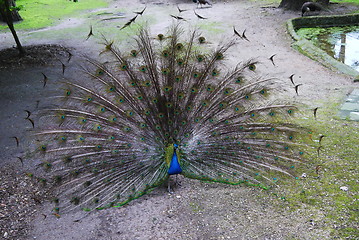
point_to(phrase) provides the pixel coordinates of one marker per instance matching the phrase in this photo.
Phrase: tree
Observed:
(6, 11)
(297, 4)
(14, 13)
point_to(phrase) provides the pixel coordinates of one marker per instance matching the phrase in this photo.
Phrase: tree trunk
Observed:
(297, 4)
(14, 13)
(5, 12)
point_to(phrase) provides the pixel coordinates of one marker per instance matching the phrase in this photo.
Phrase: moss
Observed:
(314, 34)
(212, 27)
(335, 167)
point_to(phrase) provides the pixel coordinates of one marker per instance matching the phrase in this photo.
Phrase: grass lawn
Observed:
(348, 1)
(42, 13)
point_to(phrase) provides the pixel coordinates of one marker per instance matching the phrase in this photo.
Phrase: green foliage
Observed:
(41, 13)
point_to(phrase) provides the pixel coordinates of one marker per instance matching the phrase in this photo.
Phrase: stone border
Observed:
(308, 49)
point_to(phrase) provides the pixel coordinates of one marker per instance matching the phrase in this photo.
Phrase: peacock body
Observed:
(168, 106)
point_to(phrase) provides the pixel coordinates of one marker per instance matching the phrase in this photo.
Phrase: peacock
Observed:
(311, 7)
(168, 105)
(202, 2)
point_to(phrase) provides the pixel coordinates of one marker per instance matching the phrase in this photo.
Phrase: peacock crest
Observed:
(167, 106)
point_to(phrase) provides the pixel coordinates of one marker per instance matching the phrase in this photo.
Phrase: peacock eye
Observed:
(143, 68)
(165, 71)
(123, 66)
(228, 91)
(165, 53)
(178, 78)
(215, 72)
(196, 74)
(219, 56)
(160, 36)
(180, 62)
(134, 53)
(167, 88)
(179, 46)
(200, 58)
(252, 67)
(100, 72)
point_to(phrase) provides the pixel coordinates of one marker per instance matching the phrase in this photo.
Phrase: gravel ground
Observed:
(197, 210)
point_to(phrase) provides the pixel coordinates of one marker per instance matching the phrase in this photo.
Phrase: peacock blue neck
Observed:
(174, 167)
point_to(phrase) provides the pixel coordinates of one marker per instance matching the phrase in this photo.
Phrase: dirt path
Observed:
(190, 213)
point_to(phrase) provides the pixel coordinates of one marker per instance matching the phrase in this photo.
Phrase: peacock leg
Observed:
(169, 185)
(177, 182)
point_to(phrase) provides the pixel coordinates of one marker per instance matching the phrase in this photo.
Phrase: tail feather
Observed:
(110, 139)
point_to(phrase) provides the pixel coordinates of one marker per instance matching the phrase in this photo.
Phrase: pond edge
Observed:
(307, 48)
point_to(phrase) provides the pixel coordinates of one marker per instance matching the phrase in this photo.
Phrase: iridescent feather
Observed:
(169, 101)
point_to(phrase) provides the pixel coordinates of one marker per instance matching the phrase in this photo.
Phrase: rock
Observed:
(354, 116)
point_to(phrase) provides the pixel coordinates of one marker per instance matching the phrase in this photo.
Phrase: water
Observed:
(346, 49)
(342, 43)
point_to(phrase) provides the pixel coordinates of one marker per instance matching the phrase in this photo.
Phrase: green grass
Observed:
(337, 166)
(212, 27)
(347, 1)
(334, 1)
(42, 13)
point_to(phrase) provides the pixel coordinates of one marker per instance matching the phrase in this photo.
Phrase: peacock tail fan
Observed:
(167, 106)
